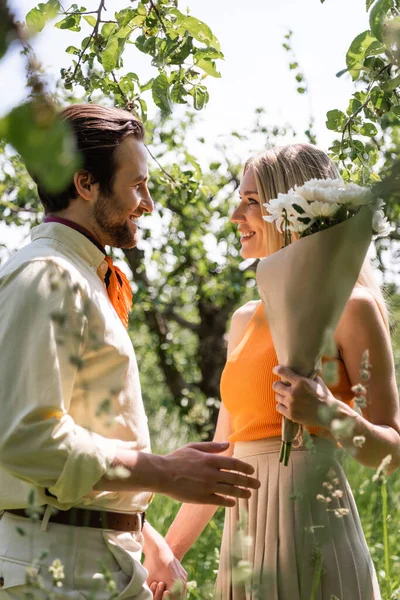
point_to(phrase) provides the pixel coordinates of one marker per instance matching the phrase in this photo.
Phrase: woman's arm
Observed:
(191, 520)
(361, 328)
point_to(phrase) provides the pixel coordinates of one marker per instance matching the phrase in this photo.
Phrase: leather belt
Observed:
(81, 517)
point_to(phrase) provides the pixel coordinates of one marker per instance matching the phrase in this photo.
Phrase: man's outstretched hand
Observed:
(198, 474)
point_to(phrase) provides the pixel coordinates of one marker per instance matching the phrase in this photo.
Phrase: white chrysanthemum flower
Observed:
(298, 226)
(313, 210)
(319, 189)
(323, 199)
(334, 190)
(380, 225)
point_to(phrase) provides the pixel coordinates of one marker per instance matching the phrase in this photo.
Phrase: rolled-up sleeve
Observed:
(42, 337)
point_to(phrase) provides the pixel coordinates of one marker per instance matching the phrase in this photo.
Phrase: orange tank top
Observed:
(246, 384)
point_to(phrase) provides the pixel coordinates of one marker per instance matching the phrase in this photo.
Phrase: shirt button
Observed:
(102, 270)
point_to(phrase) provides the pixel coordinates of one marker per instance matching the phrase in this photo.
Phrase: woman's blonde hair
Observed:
(277, 170)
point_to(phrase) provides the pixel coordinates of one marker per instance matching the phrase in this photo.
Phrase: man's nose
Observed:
(146, 202)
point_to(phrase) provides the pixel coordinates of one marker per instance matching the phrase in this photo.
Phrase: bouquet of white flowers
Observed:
(304, 287)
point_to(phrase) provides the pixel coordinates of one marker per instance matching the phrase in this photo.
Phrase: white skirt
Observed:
(299, 536)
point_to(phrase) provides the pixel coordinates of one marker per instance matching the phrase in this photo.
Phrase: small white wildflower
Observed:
(57, 570)
(359, 389)
(337, 494)
(359, 441)
(381, 470)
(341, 512)
(342, 427)
(321, 498)
(361, 401)
(336, 481)
(327, 485)
(118, 472)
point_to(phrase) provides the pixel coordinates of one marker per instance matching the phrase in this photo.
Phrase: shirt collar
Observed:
(77, 243)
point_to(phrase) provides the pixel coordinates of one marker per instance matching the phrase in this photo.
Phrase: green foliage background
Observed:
(183, 296)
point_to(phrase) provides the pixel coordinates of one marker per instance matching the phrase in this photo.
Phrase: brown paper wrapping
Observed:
(304, 288)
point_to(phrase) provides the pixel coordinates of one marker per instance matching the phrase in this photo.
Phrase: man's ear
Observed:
(85, 185)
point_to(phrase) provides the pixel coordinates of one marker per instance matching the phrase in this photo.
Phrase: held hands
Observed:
(166, 575)
(198, 475)
(300, 399)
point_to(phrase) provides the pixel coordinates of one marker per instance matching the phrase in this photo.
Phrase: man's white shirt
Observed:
(69, 383)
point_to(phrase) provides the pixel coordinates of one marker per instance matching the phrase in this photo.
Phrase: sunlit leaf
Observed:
(92, 20)
(208, 66)
(377, 17)
(356, 53)
(44, 141)
(161, 94)
(71, 22)
(111, 53)
(200, 96)
(368, 129)
(37, 18)
(336, 119)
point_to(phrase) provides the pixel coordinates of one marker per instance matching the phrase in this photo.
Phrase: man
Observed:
(73, 433)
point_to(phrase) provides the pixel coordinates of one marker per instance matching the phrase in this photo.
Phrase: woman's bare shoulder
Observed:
(242, 315)
(240, 319)
(361, 313)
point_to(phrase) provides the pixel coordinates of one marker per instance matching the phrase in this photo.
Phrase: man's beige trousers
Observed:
(90, 563)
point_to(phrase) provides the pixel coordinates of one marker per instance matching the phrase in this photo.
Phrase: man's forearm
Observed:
(134, 471)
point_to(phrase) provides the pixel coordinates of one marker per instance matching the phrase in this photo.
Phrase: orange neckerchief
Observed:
(118, 290)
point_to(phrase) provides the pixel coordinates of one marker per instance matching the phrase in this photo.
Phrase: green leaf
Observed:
(200, 96)
(182, 52)
(160, 92)
(111, 53)
(336, 120)
(377, 17)
(71, 22)
(356, 53)
(200, 31)
(368, 129)
(208, 66)
(108, 29)
(178, 93)
(45, 143)
(143, 109)
(368, 4)
(37, 18)
(341, 72)
(92, 20)
(72, 50)
(392, 84)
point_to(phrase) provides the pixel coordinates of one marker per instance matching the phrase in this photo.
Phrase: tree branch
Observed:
(169, 313)
(92, 35)
(159, 166)
(154, 7)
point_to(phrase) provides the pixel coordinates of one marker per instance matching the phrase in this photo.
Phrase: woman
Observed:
(302, 535)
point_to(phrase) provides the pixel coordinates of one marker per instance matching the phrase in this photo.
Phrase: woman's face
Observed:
(248, 217)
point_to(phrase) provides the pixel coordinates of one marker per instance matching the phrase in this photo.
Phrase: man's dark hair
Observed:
(98, 132)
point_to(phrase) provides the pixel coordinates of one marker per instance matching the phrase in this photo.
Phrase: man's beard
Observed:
(105, 214)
